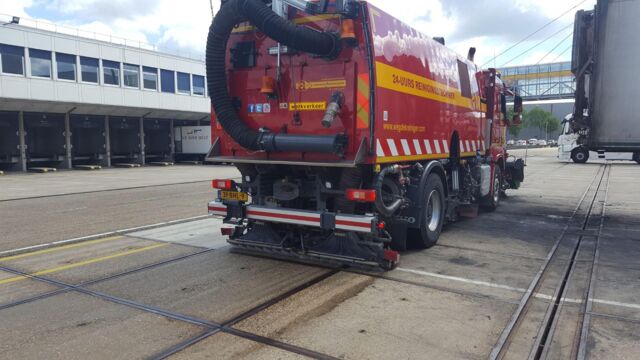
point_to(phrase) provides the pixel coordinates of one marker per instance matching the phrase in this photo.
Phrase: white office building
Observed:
(68, 100)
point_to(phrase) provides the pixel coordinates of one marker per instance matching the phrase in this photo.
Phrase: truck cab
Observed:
(570, 147)
(568, 142)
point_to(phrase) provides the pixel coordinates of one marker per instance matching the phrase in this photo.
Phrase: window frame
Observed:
(124, 76)
(32, 57)
(23, 65)
(173, 81)
(81, 72)
(75, 67)
(188, 78)
(193, 87)
(157, 78)
(119, 72)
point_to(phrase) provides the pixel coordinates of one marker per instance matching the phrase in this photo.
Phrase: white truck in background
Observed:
(570, 150)
(192, 142)
(606, 121)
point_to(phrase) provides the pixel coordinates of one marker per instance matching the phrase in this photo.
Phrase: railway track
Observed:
(210, 328)
(583, 227)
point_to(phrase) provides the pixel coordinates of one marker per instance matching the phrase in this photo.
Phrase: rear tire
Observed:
(433, 212)
(636, 157)
(580, 155)
(492, 201)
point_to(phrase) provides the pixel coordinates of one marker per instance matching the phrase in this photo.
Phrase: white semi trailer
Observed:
(606, 118)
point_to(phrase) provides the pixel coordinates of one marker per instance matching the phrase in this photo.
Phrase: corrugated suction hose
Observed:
(300, 38)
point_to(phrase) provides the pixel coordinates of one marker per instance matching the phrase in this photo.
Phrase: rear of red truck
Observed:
(356, 136)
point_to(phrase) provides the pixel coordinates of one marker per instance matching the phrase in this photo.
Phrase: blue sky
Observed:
(490, 25)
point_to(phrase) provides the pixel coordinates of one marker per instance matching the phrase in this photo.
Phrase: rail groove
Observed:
(510, 330)
(211, 328)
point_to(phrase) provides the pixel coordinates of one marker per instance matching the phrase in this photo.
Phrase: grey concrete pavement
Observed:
(12, 291)
(86, 261)
(27, 185)
(83, 327)
(449, 302)
(356, 317)
(201, 233)
(41, 220)
(214, 286)
(226, 346)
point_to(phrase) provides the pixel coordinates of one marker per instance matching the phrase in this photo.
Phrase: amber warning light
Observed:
(348, 33)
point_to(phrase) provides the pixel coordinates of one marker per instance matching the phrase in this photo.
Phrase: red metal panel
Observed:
(419, 95)
(421, 99)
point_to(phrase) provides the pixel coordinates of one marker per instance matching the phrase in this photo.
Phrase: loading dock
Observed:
(88, 139)
(45, 139)
(157, 140)
(124, 140)
(9, 141)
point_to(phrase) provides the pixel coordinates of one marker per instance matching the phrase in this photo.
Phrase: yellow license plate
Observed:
(234, 196)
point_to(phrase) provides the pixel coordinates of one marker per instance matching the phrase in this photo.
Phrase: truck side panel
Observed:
(615, 115)
(413, 72)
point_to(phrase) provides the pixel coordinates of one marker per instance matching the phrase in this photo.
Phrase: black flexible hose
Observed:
(386, 210)
(297, 37)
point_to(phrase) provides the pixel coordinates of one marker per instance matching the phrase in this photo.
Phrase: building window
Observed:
(150, 78)
(184, 83)
(198, 85)
(66, 66)
(89, 69)
(40, 63)
(111, 72)
(12, 59)
(167, 81)
(131, 75)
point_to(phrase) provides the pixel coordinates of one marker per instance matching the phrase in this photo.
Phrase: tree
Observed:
(513, 129)
(543, 120)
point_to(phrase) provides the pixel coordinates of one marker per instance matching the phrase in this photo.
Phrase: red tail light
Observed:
(360, 195)
(223, 184)
(227, 231)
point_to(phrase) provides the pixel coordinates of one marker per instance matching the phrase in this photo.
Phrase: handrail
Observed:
(109, 38)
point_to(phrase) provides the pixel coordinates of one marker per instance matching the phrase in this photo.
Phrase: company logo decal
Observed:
(308, 106)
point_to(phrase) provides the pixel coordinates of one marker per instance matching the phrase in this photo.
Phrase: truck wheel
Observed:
(636, 157)
(433, 212)
(492, 201)
(580, 155)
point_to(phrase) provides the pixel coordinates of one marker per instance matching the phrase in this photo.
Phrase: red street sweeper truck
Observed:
(356, 135)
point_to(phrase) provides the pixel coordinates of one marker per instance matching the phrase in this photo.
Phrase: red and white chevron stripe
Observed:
(416, 147)
(345, 222)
